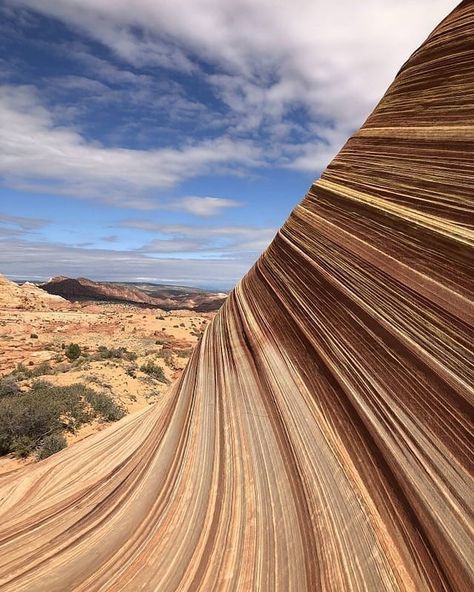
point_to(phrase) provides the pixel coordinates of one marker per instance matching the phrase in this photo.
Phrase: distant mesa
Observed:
(161, 296)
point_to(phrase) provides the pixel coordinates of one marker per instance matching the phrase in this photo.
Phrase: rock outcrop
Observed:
(27, 296)
(320, 438)
(164, 298)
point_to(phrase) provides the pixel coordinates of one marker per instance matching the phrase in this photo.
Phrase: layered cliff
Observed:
(164, 297)
(320, 436)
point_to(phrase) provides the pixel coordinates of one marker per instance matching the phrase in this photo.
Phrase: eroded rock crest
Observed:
(320, 436)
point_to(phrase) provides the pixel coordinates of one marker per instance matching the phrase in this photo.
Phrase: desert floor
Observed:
(37, 339)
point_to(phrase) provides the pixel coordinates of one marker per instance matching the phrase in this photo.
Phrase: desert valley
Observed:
(106, 344)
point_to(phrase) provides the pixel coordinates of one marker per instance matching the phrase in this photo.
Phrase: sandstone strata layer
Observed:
(320, 436)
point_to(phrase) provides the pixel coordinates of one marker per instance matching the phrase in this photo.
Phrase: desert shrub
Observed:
(8, 386)
(28, 419)
(184, 353)
(33, 336)
(41, 370)
(166, 354)
(21, 369)
(73, 351)
(23, 423)
(155, 371)
(22, 372)
(104, 353)
(52, 444)
(66, 401)
(104, 406)
(23, 445)
(131, 371)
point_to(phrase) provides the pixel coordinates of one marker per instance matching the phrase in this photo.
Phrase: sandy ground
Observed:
(32, 337)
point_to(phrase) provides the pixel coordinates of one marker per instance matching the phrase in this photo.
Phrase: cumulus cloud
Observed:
(39, 155)
(332, 60)
(251, 84)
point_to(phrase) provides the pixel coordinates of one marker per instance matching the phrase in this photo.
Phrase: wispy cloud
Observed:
(39, 155)
(214, 241)
(203, 206)
(40, 260)
(23, 223)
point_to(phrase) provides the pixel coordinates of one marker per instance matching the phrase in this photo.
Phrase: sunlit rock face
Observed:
(319, 438)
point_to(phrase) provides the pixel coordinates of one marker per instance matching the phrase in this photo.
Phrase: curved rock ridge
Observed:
(321, 436)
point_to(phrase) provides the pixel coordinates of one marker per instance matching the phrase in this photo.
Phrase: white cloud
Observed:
(171, 245)
(331, 59)
(37, 154)
(208, 241)
(22, 223)
(194, 231)
(203, 206)
(40, 260)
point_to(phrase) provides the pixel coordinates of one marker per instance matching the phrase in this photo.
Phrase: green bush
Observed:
(21, 372)
(52, 444)
(30, 419)
(23, 445)
(104, 406)
(155, 371)
(23, 422)
(73, 351)
(104, 353)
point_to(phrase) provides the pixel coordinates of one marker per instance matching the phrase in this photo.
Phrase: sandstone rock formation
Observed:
(27, 296)
(319, 439)
(165, 298)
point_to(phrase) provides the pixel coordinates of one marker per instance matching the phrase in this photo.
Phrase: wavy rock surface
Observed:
(320, 436)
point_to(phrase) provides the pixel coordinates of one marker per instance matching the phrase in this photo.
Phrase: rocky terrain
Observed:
(164, 297)
(116, 340)
(28, 297)
(320, 438)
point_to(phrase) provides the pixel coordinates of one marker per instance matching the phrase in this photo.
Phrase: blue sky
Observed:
(167, 141)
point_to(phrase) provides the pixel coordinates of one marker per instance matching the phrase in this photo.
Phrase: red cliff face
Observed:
(84, 289)
(320, 438)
